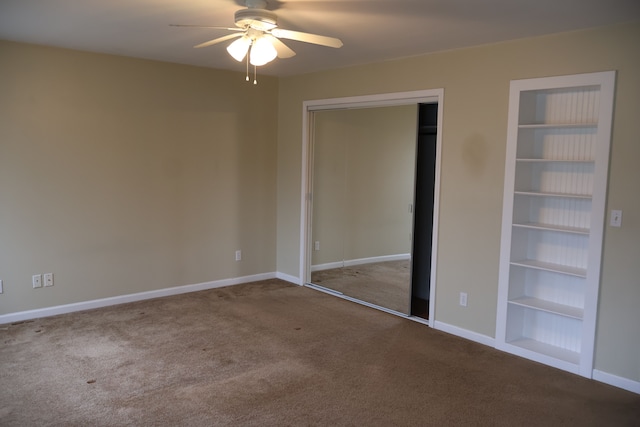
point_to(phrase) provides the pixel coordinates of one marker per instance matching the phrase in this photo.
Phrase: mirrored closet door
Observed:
(362, 209)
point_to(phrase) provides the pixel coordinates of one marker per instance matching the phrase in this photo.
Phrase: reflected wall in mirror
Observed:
(363, 189)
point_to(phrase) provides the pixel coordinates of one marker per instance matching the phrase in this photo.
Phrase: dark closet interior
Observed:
(423, 209)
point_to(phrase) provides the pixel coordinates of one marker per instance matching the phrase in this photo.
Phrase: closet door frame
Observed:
(365, 101)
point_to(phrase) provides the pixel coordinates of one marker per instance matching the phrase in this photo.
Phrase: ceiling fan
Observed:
(258, 36)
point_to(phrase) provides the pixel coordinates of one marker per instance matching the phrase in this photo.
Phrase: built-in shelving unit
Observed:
(558, 141)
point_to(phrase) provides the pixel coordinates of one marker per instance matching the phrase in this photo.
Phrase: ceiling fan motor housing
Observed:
(259, 19)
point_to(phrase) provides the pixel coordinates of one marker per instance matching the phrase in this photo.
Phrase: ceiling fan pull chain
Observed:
(247, 78)
(255, 74)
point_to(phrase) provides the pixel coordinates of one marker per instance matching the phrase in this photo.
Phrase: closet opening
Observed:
(426, 145)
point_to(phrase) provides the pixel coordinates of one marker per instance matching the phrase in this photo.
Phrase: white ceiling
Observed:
(372, 30)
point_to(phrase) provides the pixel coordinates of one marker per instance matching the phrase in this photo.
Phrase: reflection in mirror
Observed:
(363, 186)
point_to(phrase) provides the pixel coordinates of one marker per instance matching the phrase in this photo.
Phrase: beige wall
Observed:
(476, 85)
(121, 175)
(363, 182)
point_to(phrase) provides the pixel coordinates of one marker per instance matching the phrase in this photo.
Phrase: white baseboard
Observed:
(464, 333)
(122, 299)
(603, 377)
(360, 261)
(288, 278)
(385, 258)
(327, 266)
(616, 381)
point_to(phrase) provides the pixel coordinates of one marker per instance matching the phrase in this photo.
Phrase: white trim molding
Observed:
(464, 333)
(616, 381)
(122, 299)
(289, 278)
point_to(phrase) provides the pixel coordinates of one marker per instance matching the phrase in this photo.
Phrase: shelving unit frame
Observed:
(557, 158)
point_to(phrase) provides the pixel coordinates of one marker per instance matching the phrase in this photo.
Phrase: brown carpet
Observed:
(386, 284)
(274, 354)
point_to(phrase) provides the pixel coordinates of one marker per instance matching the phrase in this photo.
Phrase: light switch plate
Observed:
(463, 299)
(616, 218)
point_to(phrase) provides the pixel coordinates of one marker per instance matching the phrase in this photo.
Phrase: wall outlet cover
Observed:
(36, 280)
(463, 299)
(48, 279)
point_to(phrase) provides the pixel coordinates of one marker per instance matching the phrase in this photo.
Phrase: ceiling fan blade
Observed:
(307, 38)
(283, 50)
(207, 26)
(218, 40)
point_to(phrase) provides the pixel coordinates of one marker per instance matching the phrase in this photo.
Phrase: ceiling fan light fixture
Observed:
(262, 52)
(259, 36)
(239, 48)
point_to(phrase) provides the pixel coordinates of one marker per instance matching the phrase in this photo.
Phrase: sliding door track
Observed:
(367, 304)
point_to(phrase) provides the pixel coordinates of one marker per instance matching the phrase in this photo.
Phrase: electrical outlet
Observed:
(463, 299)
(238, 255)
(48, 279)
(36, 280)
(316, 246)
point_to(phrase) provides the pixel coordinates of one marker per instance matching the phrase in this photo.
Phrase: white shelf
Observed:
(557, 125)
(554, 268)
(530, 160)
(549, 307)
(558, 141)
(538, 194)
(547, 350)
(547, 227)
